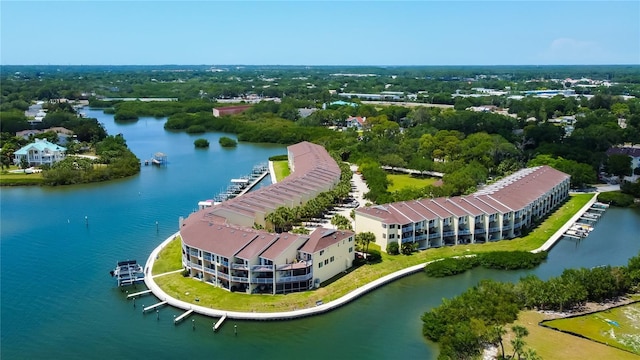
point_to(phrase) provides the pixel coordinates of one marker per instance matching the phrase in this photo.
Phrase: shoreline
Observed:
(282, 315)
(322, 308)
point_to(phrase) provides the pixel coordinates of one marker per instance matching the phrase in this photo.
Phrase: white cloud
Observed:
(573, 51)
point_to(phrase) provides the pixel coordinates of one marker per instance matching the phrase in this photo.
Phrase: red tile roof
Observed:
(512, 193)
(322, 238)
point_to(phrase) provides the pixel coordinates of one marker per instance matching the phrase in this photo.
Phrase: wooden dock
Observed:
(153, 306)
(138, 294)
(183, 316)
(219, 323)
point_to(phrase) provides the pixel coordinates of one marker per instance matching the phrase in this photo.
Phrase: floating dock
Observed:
(219, 322)
(153, 306)
(183, 316)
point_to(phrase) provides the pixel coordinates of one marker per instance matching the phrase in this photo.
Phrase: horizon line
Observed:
(330, 65)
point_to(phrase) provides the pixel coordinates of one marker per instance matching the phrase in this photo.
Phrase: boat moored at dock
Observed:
(238, 186)
(128, 272)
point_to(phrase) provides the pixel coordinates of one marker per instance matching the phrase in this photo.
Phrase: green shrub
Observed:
(279, 158)
(451, 266)
(374, 256)
(201, 143)
(227, 142)
(616, 198)
(512, 260)
(393, 248)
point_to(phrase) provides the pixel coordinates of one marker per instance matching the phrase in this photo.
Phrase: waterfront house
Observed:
(40, 152)
(499, 211)
(221, 246)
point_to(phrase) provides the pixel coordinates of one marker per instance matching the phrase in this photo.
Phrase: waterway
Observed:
(57, 246)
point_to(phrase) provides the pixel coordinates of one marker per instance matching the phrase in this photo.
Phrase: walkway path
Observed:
(272, 173)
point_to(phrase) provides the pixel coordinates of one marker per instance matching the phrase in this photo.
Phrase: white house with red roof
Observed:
(501, 210)
(357, 122)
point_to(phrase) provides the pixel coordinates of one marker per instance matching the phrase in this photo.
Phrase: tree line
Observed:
(466, 323)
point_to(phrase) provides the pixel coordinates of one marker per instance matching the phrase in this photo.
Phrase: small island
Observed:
(227, 142)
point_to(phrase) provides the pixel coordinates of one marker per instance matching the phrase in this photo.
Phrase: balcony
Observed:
(464, 232)
(448, 233)
(479, 231)
(193, 252)
(433, 236)
(506, 227)
(294, 278)
(223, 276)
(239, 266)
(208, 257)
(262, 280)
(240, 279)
(421, 237)
(262, 268)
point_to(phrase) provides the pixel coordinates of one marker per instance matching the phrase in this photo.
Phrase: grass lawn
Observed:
(281, 169)
(550, 344)
(401, 181)
(176, 285)
(169, 258)
(617, 327)
(19, 178)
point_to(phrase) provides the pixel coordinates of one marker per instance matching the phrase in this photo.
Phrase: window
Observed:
(326, 261)
(351, 249)
(392, 236)
(331, 259)
(319, 265)
(384, 236)
(392, 226)
(384, 226)
(351, 239)
(321, 252)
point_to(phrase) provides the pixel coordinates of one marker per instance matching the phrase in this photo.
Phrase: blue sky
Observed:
(319, 32)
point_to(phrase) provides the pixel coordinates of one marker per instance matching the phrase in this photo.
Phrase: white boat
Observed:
(128, 272)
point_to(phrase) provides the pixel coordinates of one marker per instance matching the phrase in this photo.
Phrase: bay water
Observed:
(57, 246)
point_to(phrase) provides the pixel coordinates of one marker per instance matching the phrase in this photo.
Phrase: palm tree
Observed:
(498, 332)
(365, 238)
(518, 342)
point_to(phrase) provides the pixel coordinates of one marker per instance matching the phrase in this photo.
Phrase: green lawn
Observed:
(169, 258)
(616, 327)
(401, 181)
(554, 345)
(175, 284)
(281, 168)
(19, 178)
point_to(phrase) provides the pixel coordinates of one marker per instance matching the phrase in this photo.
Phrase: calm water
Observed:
(59, 302)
